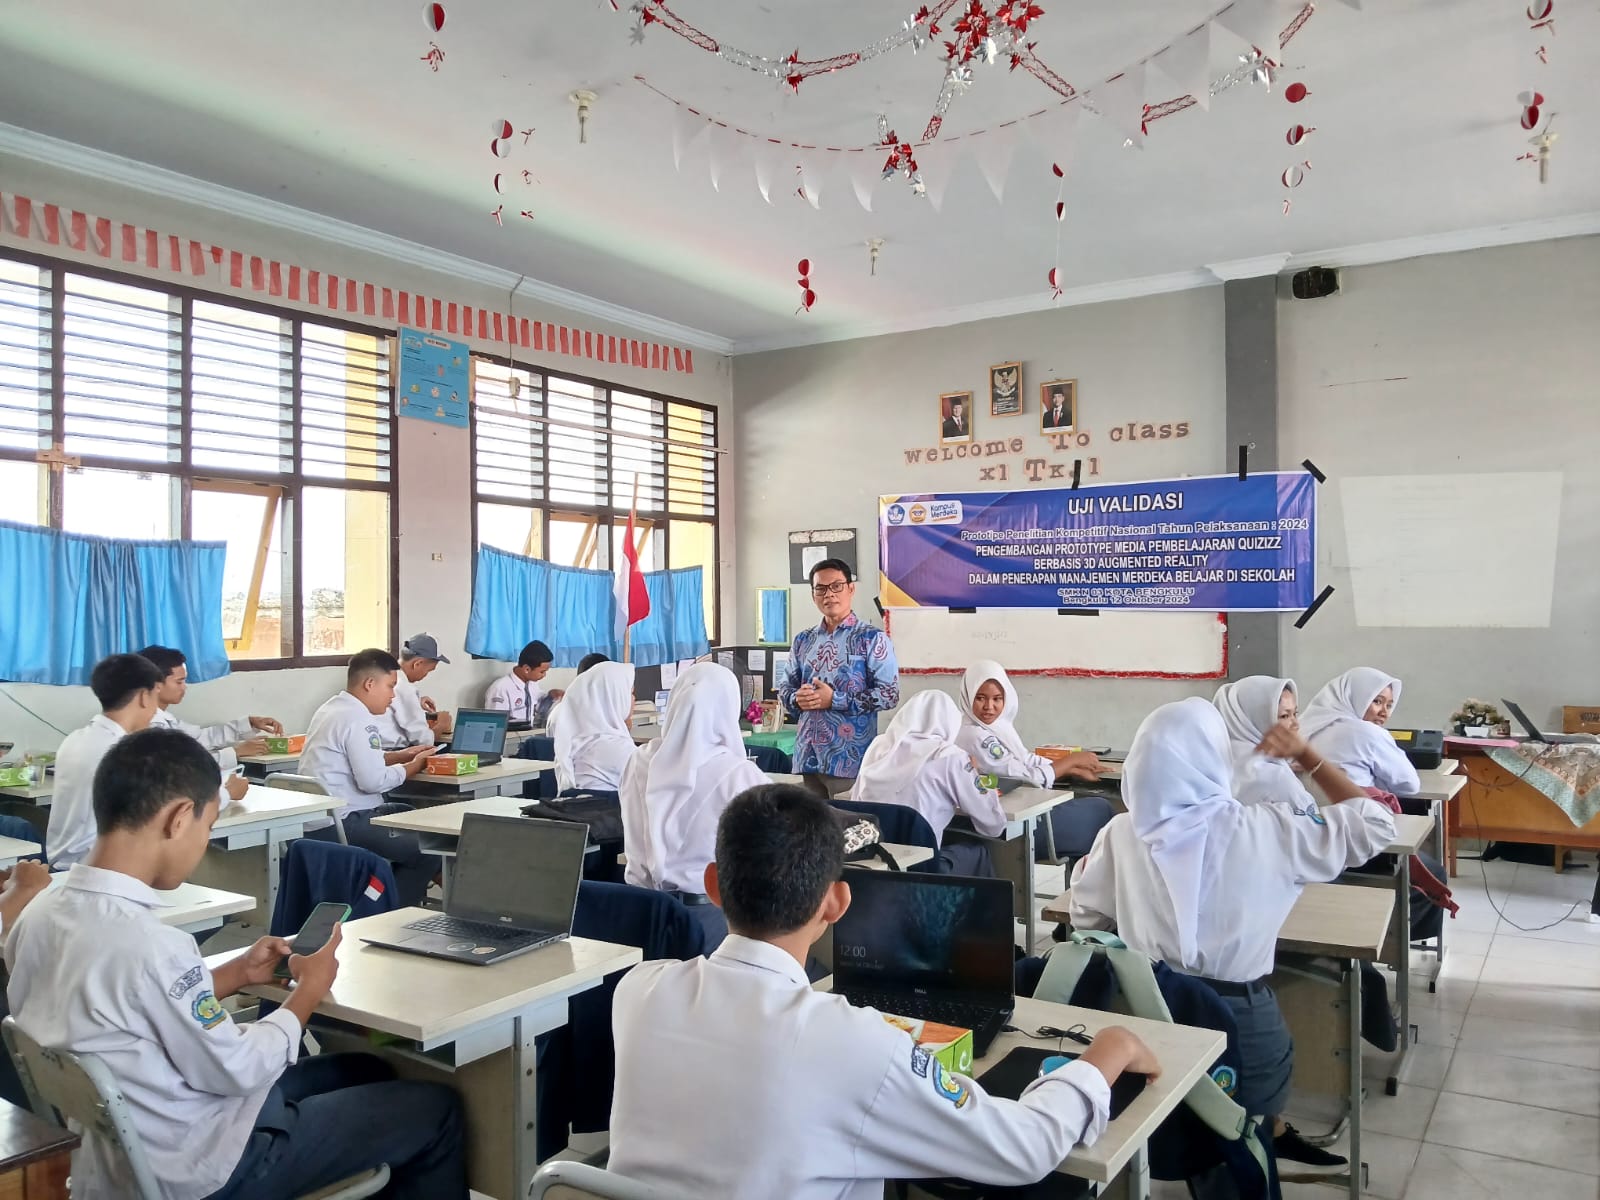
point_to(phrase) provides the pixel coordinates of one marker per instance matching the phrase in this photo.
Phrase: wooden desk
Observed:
(793, 780)
(248, 839)
(470, 1026)
(35, 1156)
(259, 766)
(486, 781)
(12, 849)
(1497, 804)
(1338, 922)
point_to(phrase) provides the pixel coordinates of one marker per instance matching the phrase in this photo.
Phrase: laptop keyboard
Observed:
(476, 931)
(925, 1008)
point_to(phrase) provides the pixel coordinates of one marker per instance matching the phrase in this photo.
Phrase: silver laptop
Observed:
(1535, 734)
(514, 889)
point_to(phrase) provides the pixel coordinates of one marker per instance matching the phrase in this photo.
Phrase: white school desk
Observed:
(35, 793)
(12, 849)
(1439, 787)
(473, 1027)
(265, 820)
(905, 857)
(1023, 809)
(190, 907)
(485, 781)
(259, 766)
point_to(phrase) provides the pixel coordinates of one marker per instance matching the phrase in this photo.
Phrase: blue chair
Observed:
(314, 872)
(540, 749)
(577, 1064)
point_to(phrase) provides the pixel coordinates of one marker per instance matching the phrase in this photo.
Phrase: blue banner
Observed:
(1214, 544)
(435, 378)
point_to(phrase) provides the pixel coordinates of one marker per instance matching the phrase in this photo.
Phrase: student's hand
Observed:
(1116, 1050)
(427, 703)
(251, 747)
(24, 881)
(316, 972)
(1282, 742)
(1083, 764)
(419, 759)
(257, 964)
(236, 786)
(267, 725)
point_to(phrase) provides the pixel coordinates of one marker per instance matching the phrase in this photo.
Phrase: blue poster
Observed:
(1214, 544)
(435, 378)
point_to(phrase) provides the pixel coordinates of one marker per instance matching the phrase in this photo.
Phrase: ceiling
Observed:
(328, 108)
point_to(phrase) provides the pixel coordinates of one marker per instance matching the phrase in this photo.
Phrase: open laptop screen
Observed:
(479, 731)
(517, 871)
(913, 930)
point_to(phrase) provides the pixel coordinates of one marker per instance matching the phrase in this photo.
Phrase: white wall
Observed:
(823, 431)
(1474, 363)
(432, 464)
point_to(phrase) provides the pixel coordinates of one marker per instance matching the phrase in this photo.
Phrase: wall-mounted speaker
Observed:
(1314, 283)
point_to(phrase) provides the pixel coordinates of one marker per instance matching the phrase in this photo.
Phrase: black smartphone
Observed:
(314, 934)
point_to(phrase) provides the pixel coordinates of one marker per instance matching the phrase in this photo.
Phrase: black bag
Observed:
(863, 839)
(600, 811)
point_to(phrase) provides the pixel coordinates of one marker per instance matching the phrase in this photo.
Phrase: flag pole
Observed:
(627, 630)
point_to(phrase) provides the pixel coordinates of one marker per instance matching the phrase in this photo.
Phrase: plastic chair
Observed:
(579, 1181)
(305, 783)
(63, 1086)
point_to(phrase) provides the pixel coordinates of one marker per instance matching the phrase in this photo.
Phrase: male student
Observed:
(222, 1110)
(406, 721)
(228, 741)
(517, 693)
(344, 753)
(793, 1092)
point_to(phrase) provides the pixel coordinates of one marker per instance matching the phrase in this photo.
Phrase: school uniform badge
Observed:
(947, 1086)
(1313, 811)
(995, 749)
(920, 1059)
(185, 982)
(208, 1010)
(1226, 1078)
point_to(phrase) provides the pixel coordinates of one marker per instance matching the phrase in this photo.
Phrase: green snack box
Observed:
(452, 764)
(947, 1043)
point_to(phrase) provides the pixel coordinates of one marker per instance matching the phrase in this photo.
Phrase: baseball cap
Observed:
(423, 645)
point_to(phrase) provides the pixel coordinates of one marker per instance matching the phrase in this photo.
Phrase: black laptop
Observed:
(514, 889)
(929, 947)
(1536, 735)
(479, 731)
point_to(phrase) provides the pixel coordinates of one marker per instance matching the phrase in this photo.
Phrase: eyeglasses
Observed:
(829, 589)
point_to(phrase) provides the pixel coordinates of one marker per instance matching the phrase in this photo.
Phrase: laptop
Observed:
(1549, 739)
(929, 947)
(479, 731)
(514, 889)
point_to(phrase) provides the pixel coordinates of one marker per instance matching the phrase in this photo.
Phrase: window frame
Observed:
(605, 518)
(289, 484)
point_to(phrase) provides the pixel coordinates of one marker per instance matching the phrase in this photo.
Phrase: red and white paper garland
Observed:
(66, 229)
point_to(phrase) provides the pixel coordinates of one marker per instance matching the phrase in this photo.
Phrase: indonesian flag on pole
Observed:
(633, 600)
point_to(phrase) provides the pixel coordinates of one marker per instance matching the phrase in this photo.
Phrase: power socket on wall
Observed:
(437, 556)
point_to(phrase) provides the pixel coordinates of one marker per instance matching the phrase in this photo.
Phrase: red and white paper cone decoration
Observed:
(807, 296)
(1295, 93)
(1298, 134)
(1054, 275)
(433, 17)
(1532, 105)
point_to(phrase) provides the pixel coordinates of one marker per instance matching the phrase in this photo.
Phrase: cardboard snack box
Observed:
(293, 744)
(950, 1045)
(452, 764)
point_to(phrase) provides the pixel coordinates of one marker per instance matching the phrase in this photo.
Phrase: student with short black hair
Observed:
(585, 664)
(793, 1092)
(589, 661)
(125, 685)
(229, 741)
(344, 753)
(222, 1110)
(518, 694)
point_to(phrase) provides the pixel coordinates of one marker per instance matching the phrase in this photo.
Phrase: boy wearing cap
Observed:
(406, 721)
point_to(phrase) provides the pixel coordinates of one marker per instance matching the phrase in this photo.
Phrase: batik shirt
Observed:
(857, 660)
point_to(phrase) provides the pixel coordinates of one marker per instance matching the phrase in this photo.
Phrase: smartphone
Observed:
(314, 934)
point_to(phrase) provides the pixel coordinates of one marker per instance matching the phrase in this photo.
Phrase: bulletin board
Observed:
(807, 547)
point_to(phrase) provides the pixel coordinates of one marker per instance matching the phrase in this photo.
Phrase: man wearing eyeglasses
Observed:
(841, 674)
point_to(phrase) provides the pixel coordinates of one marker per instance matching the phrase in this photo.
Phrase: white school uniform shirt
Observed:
(998, 746)
(916, 762)
(70, 833)
(516, 699)
(344, 753)
(1190, 876)
(593, 742)
(797, 1094)
(404, 723)
(1335, 725)
(675, 789)
(93, 970)
(1249, 707)
(219, 739)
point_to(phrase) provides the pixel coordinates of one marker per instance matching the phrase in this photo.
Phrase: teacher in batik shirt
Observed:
(840, 676)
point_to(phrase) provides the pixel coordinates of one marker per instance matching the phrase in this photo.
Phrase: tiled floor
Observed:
(1500, 1099)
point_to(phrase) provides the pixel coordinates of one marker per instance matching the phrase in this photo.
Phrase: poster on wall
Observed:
(435, 378)
(808, 547)
(1212, 544)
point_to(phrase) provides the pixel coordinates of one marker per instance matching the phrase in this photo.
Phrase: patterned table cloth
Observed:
(1569, 775)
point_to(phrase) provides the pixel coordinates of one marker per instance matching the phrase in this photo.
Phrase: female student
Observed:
(1249, 708)
(1192, 877)
(989, 734)
(916, 762)
(593, 741)
(676, 788)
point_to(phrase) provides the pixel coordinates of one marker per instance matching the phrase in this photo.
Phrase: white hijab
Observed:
(1178, 787)
(1004, 729)
(1249, 708)
(1345, 698)
(677, 787)
(593, 741)
(925, 728)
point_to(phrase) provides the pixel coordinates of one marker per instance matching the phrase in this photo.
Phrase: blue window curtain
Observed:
(573, 610)
(774, 616)
(68, 600)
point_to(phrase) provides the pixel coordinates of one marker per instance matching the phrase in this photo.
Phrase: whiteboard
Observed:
(1035, 641)
(1453, 551)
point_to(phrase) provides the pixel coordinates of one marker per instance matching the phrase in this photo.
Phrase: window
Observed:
(133, 411)
(557, 463)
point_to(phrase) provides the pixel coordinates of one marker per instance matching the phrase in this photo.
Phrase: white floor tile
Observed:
(1426, 1067)
(1513, 947)
(1572, 974)
(1523, 1039)
(1465, 941)
(1524, 1081)
(1402, 1116)
(1445, 1173)
(1576, 1007)
(1562, 1140)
